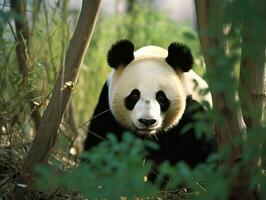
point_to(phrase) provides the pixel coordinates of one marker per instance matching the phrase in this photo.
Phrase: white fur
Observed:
(149, 73)
(144, 109)
(110, 87)
(147, 109)
(193, 84)
(150, 52)
(148, 76)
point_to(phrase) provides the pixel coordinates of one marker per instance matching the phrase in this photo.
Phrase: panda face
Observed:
(147, 96)
(147, 110)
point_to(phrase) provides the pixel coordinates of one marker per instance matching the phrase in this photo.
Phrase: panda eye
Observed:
(132, 99)
(160, 96)
(135, 94)
(162, 100)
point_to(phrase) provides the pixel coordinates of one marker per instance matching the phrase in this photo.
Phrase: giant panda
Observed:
(151, 93)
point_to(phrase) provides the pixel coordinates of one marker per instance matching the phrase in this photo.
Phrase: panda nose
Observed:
(147, 122)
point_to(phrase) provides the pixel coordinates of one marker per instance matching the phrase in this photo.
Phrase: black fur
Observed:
(121, 53)
(162, 100)
(174, 147)
(102, 122)
(132, 99)
(179, 56)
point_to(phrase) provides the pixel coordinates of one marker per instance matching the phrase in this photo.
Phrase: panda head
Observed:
(146, 94)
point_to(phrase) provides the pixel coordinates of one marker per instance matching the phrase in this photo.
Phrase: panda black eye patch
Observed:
(162, 100)
(132, 99)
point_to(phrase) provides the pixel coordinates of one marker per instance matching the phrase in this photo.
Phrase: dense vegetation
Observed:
(117, 170)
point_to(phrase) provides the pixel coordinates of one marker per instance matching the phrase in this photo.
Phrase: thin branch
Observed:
(21, 35)
(49, 38)
(53, 114)
(36, 6)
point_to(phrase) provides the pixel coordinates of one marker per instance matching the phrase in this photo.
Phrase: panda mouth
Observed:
(148, 130)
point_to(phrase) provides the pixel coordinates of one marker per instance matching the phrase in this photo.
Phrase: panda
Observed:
(151, 93)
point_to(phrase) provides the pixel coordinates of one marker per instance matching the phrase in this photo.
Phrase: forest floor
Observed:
(13, 151)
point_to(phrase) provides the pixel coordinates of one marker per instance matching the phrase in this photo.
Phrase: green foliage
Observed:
(114, 169)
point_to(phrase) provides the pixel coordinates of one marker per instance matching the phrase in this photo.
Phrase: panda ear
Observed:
(121, 53)
(179, 57)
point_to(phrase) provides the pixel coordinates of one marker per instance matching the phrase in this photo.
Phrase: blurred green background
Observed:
(50, 26)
